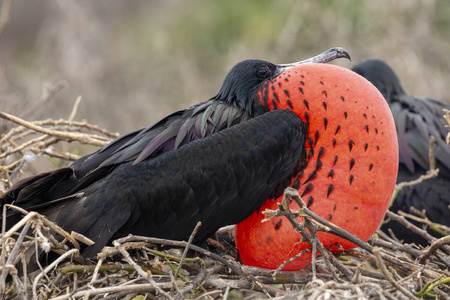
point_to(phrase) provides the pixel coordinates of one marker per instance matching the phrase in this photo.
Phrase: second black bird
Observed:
(415, 119)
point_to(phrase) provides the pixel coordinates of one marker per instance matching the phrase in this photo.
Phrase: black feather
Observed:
(219, 180)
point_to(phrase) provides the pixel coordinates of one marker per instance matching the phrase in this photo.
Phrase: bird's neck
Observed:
(247, 103)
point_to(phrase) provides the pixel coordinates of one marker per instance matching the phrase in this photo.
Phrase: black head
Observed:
(240, 84)
(381, 76)
(243, 80)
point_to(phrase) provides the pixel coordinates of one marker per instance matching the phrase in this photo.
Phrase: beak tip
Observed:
(341, 53)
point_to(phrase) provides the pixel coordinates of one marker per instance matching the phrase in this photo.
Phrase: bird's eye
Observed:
(263, 72)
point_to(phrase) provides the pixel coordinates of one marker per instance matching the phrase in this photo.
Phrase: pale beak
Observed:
(327, 56)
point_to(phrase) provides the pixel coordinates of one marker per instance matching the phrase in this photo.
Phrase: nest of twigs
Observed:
(136, 267)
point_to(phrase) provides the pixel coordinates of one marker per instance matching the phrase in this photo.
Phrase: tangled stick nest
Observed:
(136, 268)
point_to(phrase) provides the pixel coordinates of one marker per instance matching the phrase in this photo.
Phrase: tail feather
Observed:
(38, 189)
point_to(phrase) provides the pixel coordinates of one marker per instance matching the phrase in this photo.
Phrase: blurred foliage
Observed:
(136, 61)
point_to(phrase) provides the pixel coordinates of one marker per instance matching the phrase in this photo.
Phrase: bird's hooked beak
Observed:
(327, 56)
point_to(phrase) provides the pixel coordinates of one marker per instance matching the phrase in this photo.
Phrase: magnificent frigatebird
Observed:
(416, 119)
(197, 164)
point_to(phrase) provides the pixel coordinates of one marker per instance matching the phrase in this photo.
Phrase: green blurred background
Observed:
(135, 61)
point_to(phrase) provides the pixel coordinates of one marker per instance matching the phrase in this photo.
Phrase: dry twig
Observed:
(23, 143)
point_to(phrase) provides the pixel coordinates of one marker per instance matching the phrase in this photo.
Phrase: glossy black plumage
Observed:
(415, 119)
(168, 195)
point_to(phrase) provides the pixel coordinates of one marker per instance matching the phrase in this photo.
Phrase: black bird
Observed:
(415, 119)
(207, 163)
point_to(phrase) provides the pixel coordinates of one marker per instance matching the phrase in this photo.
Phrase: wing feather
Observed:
(218, 180)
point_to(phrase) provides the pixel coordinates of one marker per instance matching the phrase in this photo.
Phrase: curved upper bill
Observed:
(327, 56)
